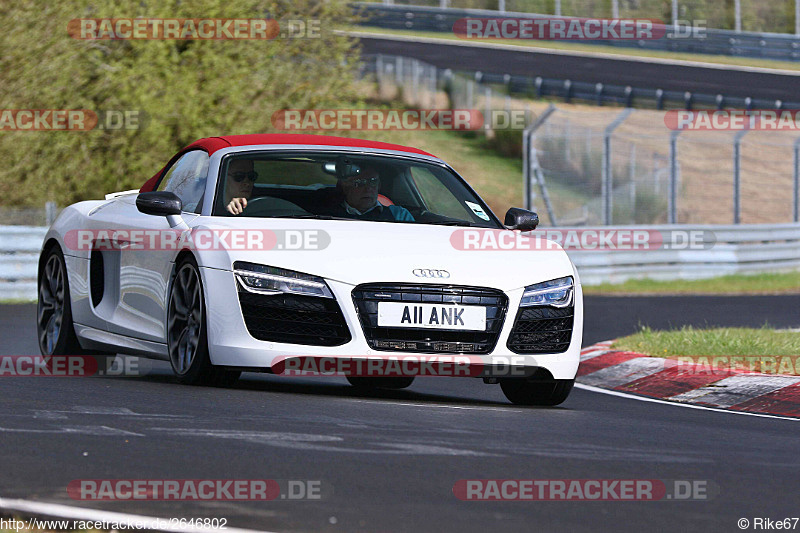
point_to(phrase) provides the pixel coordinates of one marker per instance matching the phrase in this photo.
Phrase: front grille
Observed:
(541, 330)
(366, 298)
(294, 319)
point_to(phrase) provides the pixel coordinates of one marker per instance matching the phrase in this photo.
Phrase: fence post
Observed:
(797, 17)
(796, 188)
(527, 144)
(379, 74)
(507, 82)
(415, 82)
(672, 201)
(398, 70)
(632, 176)
(737, 176)
(487, 103)
(737, 6)
(526, 170)
(50, 212)
(568, 144)
(675, 14)
(434, 85)
(607, 185)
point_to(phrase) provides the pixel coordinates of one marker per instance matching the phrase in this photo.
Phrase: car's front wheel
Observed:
(187, 338)
(54, 325)
(53, 312)
(521, 391)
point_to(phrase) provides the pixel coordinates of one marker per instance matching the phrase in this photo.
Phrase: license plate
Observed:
(434, 316)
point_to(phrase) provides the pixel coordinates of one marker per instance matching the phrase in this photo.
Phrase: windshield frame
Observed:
(220, 159)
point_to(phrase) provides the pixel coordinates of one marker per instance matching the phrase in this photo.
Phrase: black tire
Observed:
(54, 326)
(364, 383)
(187, 338)
(524, 392)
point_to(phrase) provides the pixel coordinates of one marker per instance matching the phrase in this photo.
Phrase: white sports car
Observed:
(246, 251)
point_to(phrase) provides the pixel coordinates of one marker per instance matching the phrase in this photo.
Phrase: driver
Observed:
(239, 186)
(361, 199)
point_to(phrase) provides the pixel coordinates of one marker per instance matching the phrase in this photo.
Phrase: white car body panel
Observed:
(132, 315)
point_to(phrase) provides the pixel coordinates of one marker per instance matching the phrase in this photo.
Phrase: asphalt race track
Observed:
(388, 462)
(592, 69)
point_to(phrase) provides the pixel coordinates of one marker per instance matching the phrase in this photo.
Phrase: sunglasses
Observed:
(240, 176)
(364, 182)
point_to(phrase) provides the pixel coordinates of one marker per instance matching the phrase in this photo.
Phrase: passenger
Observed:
(361, 199)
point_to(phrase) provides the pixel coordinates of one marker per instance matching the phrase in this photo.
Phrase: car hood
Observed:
(355, 252)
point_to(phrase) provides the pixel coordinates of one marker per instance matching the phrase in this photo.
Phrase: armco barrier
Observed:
(730, 249)
(19, 256)
(708, 41)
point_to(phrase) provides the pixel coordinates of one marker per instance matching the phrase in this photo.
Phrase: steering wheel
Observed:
(268, 205)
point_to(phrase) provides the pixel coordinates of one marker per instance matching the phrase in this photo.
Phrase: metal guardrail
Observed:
(732, 249)
(19, 258)
(710, 41)
(604, 93)
(739, 249)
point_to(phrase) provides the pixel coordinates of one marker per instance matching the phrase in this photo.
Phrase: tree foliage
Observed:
(183, 89)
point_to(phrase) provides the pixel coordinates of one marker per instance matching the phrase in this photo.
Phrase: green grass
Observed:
(777, 350)
(778, 283)
(597, 48)
(496, 178)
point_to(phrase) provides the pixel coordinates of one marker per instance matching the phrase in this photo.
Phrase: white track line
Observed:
(81, 513)
(676, 404)
(575, 53)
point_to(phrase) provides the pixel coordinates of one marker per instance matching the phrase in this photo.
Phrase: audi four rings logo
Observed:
(430, 273)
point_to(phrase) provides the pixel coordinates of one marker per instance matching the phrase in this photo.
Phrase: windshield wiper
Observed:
(310, 215)
(453, 223)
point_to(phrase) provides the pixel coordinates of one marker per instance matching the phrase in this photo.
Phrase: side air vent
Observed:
(96, 277)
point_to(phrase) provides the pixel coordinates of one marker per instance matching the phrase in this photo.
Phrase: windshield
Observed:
(346, 186)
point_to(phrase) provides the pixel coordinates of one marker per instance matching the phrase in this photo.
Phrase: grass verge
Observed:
(764, 350)
(777, 283)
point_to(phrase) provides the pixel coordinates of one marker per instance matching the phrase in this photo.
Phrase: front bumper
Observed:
(230, 343)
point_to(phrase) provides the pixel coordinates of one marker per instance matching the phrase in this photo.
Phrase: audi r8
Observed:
(246, 250)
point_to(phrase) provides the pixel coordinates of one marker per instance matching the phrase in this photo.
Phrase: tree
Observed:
(182, 89)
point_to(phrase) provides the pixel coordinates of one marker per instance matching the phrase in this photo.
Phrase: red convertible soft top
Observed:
(212, 144)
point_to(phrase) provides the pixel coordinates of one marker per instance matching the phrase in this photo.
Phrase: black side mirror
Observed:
(159, 203)
(521, 219)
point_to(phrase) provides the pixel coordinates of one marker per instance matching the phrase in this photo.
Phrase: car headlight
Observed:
(271, 280)
(557, 292)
